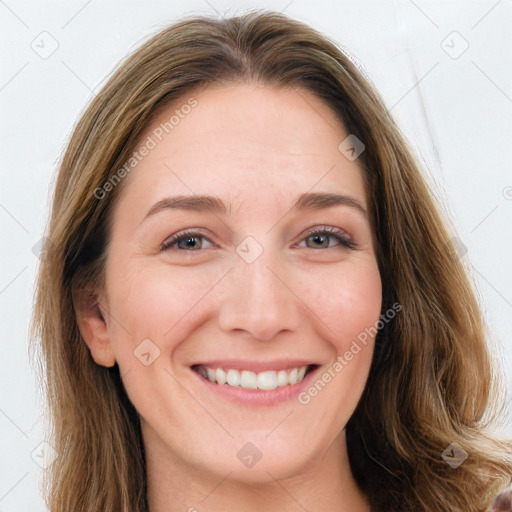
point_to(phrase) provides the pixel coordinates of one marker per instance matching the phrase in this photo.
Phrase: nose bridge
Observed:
(258, 299)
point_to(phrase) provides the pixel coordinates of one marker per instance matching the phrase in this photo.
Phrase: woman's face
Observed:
(251, 293)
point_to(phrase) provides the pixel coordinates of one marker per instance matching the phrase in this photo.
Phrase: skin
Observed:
(300, 298)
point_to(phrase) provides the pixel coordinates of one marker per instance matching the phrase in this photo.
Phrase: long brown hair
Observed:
(432, 382)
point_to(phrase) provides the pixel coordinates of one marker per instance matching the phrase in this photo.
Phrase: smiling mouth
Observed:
(265, 381)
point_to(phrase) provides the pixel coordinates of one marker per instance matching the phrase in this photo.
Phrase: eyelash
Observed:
(324, 230)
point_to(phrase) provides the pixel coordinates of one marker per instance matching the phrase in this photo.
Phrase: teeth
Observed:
(250, 380)
(267, 380)
(233, 378)
(282, 378)
(220, 376)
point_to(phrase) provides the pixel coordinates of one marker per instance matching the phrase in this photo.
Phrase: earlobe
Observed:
(91, 319)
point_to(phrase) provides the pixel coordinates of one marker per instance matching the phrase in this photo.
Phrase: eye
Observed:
(190, 240)
(186, 240)
(321, 234)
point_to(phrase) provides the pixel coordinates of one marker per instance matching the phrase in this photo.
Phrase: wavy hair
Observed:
(432, 381)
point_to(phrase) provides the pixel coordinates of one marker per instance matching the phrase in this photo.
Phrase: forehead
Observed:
(246, 143)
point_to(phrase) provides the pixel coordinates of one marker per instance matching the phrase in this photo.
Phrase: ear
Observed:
(91, 319)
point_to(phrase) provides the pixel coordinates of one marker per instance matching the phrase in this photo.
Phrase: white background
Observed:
(454, 107)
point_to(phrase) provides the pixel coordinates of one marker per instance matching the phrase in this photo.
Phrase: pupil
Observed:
(318, 238)
(190, 241)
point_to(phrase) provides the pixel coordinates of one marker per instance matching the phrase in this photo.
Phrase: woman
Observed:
(250, 300)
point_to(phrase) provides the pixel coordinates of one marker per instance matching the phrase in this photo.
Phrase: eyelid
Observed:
(328, 229)
(343, 237)
(176, 237)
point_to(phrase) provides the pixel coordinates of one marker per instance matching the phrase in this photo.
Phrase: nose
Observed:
(259, 298)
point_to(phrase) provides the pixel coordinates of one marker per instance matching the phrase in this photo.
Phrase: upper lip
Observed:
(255, 366)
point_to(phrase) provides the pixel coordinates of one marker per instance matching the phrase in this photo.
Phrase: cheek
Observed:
(347, 301)
(340, 303)
(154, 302)
(149, 295)
(152, 310)
(160, 302)
(349, 307)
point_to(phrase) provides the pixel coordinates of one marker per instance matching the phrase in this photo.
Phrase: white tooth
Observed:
(267, 380)
(220, 376)
(249, 380)
(233, 377)
(282, 378)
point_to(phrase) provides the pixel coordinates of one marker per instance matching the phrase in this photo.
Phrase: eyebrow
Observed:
(306, 202)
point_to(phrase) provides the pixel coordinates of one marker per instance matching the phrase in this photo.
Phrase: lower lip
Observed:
(258, 397)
